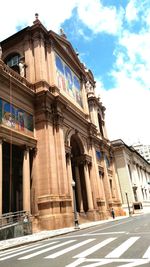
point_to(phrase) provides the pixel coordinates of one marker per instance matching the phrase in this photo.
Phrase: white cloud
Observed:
(127, 104)
(138, 11)
(136, 44)
(99, 18)
(127, 112)
(51, 13)
(132, 59)
(131, 11)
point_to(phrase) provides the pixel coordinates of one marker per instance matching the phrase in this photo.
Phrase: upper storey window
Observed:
(100, 125)
(13, 61)
(67, 80)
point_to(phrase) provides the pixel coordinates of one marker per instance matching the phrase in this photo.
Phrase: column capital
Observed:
(58, 119)
(84, 159)
(26, 148)
(68, 149)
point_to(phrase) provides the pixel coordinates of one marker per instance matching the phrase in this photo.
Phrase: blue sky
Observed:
(113, 40)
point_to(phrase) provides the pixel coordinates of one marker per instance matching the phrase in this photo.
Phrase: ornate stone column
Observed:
(78, 184)
(88, 186)
(68, 168)
(106, 181)
(1, 176)
(26, 181)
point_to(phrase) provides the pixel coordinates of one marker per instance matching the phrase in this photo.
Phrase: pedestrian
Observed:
(113, 213)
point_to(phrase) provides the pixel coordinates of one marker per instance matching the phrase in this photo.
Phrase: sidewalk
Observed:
(14, 242)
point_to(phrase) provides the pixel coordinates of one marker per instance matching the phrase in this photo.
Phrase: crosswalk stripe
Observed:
(45, 250)
(117, 252)
(107, 233)
(59, 253)
(13, 250)
(147, 254)
(94, 248)
(25, 251)
(76, 263)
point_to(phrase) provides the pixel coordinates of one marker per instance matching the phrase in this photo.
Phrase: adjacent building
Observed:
(143, 150)
(134, 177)
(56, 162)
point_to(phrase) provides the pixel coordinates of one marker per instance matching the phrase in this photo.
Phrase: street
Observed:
(124, 243)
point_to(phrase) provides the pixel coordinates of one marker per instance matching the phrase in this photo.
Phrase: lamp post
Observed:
(128, 203)
(74, 205)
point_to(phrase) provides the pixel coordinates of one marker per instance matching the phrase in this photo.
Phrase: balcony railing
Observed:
(10, 218)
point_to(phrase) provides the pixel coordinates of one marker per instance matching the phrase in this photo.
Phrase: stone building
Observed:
(143, 150)
(55, 159)
(134, 177)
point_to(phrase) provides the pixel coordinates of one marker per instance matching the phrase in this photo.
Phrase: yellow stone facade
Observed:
(54, 151)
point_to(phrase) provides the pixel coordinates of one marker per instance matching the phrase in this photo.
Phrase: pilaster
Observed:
(78, 185)
(60, 149)
(29, 59)
(88, 186)
(106, 182)
(26, 181)
(39, 56)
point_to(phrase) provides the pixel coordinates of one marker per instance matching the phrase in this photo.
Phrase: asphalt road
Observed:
(124, 243)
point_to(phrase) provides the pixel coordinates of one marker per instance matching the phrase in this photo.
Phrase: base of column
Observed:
(52, 222)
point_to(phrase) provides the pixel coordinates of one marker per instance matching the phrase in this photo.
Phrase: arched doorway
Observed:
(77, 164)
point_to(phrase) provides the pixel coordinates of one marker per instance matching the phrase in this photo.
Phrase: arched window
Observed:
(100, 124)
(13, 61)
(107, 161)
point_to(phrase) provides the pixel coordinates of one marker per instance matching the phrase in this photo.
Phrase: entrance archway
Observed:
(78, 173)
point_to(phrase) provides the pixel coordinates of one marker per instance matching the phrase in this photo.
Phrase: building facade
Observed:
(55, 159)
(143, 150)
(134, 177)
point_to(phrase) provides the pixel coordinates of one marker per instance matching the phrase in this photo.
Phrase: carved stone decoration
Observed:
(92, 130)
(89, 87)
(58, 119)
(62, 33)
(68, 152)
(83, 159)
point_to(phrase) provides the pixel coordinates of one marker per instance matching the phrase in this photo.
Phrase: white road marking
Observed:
(25, 251)
(76, 263)
(45, 250)
(94, 248)
(59, 253)
(117, 252)
(137, 262)
(107, 233)
(12, 250)
(147, 254)
(102, 262)
(109, 226)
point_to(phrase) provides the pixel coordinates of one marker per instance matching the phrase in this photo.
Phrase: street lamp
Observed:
(74, 205)
(128, 203)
